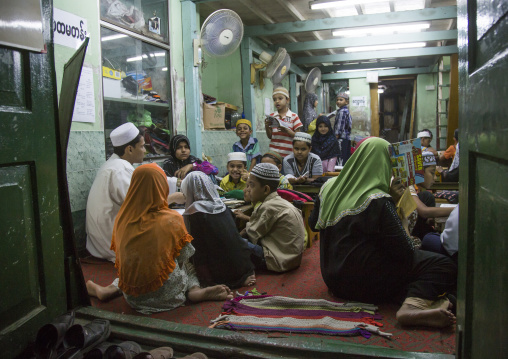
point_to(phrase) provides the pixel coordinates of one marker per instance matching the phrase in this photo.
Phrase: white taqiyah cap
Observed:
(424, 134)
(237, 156)
(123, 134)
(303, 136)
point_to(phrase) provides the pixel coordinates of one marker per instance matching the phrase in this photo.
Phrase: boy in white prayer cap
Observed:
(237, 172)
(110, 187)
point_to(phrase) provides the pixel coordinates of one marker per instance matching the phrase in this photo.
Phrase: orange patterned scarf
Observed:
(147, 236)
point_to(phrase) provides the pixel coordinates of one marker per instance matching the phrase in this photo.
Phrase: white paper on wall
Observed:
(359, 101)
(84, 108)
(68, 29)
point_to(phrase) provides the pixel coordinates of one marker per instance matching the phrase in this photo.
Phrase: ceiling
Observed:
(311, 48)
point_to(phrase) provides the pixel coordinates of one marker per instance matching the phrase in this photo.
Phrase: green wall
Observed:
(360, 115)
(426, 103)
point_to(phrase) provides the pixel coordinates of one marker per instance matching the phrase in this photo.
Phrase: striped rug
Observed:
(313, 316)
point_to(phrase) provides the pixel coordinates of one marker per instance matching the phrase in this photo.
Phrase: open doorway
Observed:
(397, 102)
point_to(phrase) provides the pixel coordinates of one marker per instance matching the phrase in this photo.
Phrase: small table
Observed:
(446, 186)
(311, 235)
(306, 188)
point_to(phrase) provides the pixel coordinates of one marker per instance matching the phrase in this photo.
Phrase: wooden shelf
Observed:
(137, 102)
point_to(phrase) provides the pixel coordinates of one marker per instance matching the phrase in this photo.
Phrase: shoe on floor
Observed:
(50, 336)
(125, 350)
(162, 353)
(88, 336)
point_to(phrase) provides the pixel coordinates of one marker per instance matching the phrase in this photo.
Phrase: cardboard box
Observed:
(214, 115)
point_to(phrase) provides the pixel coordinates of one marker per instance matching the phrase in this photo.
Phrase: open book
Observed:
(407, 162)
(275, 122)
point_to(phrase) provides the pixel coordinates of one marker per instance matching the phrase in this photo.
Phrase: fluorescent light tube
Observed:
(113, 37)
(137, 58)
(318, 5)
(380, 30)
(359, 70)
(385, 47)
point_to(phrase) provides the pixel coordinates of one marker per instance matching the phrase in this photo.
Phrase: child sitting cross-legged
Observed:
(247, 144)
(302, 166)
(237, 172)
(276, 230)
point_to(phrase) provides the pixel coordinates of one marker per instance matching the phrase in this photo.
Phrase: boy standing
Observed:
(282, 136)
(247, 144)
(342, 126)
(237, 173)
(275, 231)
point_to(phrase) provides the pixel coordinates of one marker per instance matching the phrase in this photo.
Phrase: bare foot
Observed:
(251, 280)
(218, 292)
(103, 293)
(437, 318)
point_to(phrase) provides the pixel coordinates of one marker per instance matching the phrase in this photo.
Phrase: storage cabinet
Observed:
(136, 80)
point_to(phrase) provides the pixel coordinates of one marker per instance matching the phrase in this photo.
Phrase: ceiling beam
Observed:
(370, 40)
(415, 62)
(398, 17)
(298, 16)
(263, 16)
(257, 47)
(368, 55)
(381, 73)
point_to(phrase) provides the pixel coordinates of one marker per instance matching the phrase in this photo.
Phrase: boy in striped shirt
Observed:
(282, 136)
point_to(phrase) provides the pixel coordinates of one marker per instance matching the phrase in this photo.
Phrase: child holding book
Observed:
(247, 144)
(276, 230)
(282, 136)
(325, 145)
(302, 166)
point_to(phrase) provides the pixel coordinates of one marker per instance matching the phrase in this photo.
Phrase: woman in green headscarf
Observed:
(366, 255)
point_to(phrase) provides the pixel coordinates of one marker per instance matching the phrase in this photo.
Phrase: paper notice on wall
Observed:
(84, 108)
(268, 106)
(68, 29)
(359, 101)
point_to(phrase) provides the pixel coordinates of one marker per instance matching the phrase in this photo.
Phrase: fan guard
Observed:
(221, 33)
(313, 80)
(281, 71)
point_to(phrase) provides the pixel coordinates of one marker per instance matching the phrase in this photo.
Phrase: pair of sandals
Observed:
(64, 339)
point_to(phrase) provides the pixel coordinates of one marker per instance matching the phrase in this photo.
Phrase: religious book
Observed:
(275, 122)
(407, 162)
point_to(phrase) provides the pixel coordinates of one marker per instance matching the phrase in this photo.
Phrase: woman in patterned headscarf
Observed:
(366, 255)
(221, 257)
(309, 110)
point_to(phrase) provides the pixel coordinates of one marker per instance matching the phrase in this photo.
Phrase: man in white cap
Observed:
(110, 188)
(237, 172)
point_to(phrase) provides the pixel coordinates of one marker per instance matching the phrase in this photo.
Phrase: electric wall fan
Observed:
(220, 36)
(276, 67)
(313, 80)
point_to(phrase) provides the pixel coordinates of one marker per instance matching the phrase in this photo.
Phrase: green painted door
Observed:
(483, 143)
(31, 243)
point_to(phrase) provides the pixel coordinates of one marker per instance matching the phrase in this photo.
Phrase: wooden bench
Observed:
(444, 186)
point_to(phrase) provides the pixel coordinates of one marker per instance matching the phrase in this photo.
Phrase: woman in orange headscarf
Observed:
(153, 247)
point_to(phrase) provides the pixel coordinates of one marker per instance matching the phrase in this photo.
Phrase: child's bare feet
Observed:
(251, 280)
(103, 293)
(217, 292)
(437, 318)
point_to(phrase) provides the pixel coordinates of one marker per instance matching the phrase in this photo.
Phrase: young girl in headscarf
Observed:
(324, 144)
(152, 249)
(366, 254)
(309, 110)
(221, 254)
(180, 161)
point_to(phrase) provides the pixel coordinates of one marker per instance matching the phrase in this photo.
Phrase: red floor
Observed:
(305, 282)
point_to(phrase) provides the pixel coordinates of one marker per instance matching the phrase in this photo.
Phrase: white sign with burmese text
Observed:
(68, 29)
